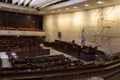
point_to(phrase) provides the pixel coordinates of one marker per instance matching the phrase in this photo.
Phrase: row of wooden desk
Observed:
(63, 74)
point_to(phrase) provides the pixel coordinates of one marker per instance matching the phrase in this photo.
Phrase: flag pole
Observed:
(83, 37)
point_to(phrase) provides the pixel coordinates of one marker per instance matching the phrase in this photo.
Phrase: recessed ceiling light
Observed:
(86, 5)
(99, 2)
(75, 7)
(67, 8)
(59, 10)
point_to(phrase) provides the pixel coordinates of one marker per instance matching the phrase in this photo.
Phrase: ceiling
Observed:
(43, 7)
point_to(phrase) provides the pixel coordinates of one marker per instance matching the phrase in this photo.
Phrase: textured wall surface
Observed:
(102, 27)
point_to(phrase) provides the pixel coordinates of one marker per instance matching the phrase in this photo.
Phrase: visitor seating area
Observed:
(19, 43)
(7, 28)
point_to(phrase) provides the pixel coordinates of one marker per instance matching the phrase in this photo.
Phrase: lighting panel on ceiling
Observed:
(26, 2)
(14, 1)
(20, 2)
(67, 3)
(48, 2)
(36, 2)
(40, 4)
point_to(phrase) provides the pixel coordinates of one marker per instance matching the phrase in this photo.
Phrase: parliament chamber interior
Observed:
(59, 39)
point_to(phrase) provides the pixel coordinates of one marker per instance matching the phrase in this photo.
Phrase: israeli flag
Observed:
(83, 37)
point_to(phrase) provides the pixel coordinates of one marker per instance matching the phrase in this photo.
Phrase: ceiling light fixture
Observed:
(67, 8)
(86, 5)
(59, 10)
(75, 7)
(66, 3)
(99, 2)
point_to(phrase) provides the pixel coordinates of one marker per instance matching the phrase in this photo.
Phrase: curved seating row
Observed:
(58, 74)
(86, 53)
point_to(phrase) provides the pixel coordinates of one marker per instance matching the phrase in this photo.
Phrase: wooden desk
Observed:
(51, 74)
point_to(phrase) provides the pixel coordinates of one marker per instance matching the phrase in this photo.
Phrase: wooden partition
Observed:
(33, 53)
(68, 74)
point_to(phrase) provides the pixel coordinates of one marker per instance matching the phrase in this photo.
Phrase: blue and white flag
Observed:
(83, 37)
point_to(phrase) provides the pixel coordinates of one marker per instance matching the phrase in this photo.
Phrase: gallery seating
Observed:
(21, 29)
(14, 43)
(29, 29)
(7, 28)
